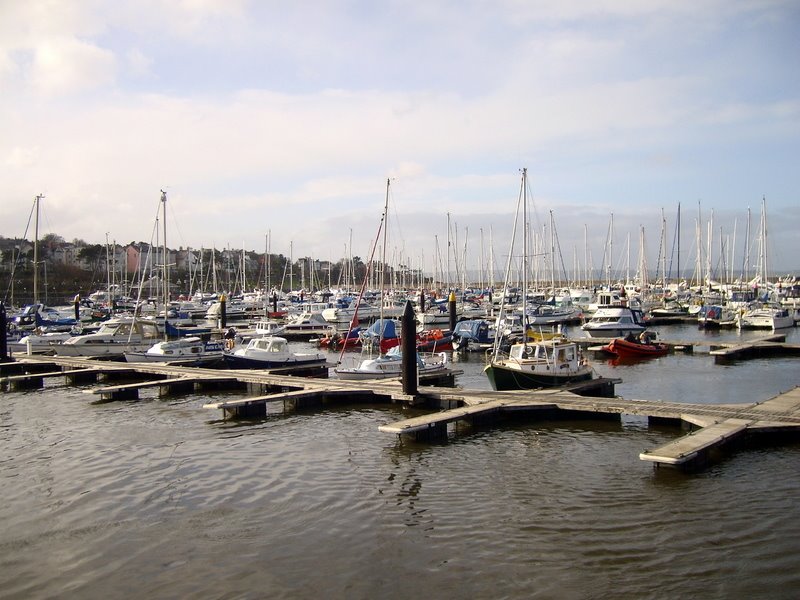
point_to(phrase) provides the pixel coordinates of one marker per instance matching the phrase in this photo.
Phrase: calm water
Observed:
(161, 499)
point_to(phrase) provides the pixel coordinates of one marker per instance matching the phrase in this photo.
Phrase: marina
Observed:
(130, 488)
(711, 427)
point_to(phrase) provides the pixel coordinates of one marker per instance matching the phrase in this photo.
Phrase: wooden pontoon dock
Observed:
(714, 427)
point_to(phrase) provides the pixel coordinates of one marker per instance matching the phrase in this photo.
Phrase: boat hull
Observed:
(242, 362)
(612, 332)
(504, 378)
(624, 348)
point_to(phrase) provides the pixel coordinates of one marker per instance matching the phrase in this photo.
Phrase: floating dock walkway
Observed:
(715, 427)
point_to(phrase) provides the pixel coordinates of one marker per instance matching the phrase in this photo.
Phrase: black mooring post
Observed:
(422, 302)
(3, 334)
(275, 304)
(451, 304)
(408, 345)
(223, 316)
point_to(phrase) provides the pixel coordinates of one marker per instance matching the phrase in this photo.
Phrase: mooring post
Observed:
(223, 317)
(77, 303)
(451, 304)
(275, 304)
(3, 334)
(408, 346)
(422, 301)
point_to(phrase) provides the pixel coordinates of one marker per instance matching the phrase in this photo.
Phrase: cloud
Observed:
(66, 65)
(293, 119)
(138, 63)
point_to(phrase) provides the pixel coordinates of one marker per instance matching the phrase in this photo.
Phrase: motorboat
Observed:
(185, 351)
(357, 309)
(261, 328)
(334, 340)
(552, 314)
(38, 341)
(544, 364)
(306, 321)
(113, 339)
(636, 347)
(270, 353)
(433, 340)
(439, 314)
(715, 316)
(472, 335)
(39, 315)
(614, 321)
(390, 365)
(765, 316)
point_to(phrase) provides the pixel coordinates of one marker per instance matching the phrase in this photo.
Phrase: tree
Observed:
(93, 254)
(51, 242)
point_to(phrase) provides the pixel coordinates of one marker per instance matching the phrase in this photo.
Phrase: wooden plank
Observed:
(424, 422)
(147, 384)
(688, 447)
(282, 396)
(786, 403)
(12, 378)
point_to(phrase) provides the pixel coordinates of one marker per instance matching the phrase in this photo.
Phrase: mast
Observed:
(266, 276)
(383, 266)
(663, 253)
(491, 257)
(586, 256)
(678, 270)
(552, 257)
(524, 255)
(166, 265)
(36, 251)
(746, 253)
(166, 262)
(498, 336)
(108, 278)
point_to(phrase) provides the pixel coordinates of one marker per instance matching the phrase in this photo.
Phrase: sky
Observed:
(284, 121)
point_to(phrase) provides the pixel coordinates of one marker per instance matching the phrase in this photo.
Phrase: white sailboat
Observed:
(389, 364)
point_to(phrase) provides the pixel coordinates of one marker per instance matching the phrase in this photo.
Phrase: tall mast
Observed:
(108, 278)
(36, 250)
(678, 270)
(166, 265)
(383, 259)
(524, 255)
(663, 252)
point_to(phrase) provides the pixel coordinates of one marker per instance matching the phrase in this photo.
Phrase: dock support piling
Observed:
(77, 377)
(451, 305)
(3, 334)
(409, 348)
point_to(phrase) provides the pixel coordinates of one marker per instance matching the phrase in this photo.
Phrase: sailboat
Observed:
(764, 314)
(531, 365)
(389, 364)
(122, 334)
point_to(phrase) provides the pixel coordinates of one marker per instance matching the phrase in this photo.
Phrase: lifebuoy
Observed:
(229, 344)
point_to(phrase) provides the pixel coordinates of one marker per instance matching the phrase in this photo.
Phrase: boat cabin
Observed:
(274, 345)
(552, 353)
